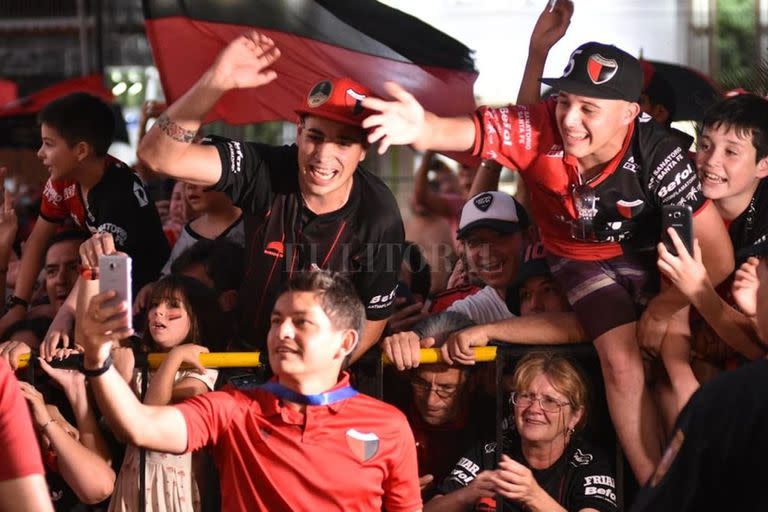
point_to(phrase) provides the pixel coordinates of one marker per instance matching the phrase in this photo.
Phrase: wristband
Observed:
(98, 371)
(14, 300)
(88, 273)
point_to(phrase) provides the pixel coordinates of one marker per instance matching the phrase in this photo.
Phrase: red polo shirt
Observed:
(19, 450)
(354, 454)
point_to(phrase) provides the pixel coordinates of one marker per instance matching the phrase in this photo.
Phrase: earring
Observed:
(570, 431)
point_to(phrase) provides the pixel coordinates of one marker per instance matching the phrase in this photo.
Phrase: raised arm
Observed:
(159, 428)
(404, 121)
(540, 329)
(31, 263)
(717, 256)
(89, 475)
(688, 274)
(167, 147)
(549, 29)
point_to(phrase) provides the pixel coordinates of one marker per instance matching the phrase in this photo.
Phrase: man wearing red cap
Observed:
(310, 204)
(598, 174)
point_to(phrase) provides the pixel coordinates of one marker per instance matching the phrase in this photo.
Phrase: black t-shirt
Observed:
(117, 204)
(362, 239)
(581, 478)
(716, 459)
(750, 229)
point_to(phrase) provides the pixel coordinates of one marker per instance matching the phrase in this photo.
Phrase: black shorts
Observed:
(607, 293)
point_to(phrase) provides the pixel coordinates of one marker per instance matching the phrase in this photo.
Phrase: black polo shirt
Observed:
(362, 239)
(716, 458)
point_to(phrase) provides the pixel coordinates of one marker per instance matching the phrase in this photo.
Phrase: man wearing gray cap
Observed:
(598, 174)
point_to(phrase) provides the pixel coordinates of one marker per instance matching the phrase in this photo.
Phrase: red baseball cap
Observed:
(338, 99)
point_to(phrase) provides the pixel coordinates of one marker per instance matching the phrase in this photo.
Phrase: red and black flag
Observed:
(318, 39)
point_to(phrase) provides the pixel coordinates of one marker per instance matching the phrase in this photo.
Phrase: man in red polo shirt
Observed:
(598, 174)
(305, 440)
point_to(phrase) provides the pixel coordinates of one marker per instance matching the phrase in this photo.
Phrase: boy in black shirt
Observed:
(96, 191)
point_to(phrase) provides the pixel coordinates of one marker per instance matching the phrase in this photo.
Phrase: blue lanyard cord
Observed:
(320, 399)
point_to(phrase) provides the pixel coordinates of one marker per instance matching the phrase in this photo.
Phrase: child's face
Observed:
(201, 200)
(177, 208)
(169, 323)
(56, 154)
(726, 162)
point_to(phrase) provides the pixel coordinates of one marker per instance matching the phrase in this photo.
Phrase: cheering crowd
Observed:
(300, 253)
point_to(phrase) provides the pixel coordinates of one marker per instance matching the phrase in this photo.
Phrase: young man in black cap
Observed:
(598, 174)
(309, 205)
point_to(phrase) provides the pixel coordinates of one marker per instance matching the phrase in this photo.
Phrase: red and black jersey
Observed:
(650, 171)
(117, 204)
(362, 239)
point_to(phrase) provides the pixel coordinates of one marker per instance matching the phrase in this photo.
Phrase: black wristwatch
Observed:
(13, 301)
(98, 371)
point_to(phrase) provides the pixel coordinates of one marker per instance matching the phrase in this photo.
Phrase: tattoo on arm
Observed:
(174, 131)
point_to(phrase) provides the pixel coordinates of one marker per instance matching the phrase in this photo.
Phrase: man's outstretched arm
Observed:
(160, 428)
(404, 121)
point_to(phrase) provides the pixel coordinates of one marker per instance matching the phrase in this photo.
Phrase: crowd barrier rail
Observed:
(502, 356)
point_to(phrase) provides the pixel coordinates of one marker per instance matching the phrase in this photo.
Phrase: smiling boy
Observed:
(92, 189)
(598, 174)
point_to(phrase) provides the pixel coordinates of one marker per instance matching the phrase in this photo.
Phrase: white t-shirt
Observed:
(483, 307)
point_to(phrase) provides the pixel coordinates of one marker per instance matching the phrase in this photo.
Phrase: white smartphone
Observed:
(115, 274)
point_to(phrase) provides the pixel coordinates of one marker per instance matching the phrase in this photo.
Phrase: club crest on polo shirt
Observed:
(600, 69)
(483, 202)
(320, 93)
(364, 445)
(629, 209)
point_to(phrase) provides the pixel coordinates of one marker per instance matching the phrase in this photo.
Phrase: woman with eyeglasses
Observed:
(545, 465)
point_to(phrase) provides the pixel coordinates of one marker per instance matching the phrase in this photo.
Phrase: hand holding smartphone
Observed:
(680, 218)
(115, 274)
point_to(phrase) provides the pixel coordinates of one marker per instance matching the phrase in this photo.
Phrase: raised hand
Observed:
(400, 121)
(551, 26)
(245, 62)
(745, 284)
(99, 244)
(104, 323)
(685, 271)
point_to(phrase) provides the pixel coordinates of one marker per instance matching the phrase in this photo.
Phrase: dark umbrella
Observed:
(694, 91)
(18, 119)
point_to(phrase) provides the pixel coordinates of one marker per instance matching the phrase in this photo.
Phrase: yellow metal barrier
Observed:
(251, 359)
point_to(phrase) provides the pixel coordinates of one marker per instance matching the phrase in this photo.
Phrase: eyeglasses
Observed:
(585, 202)
(444, 391)
(547, 403)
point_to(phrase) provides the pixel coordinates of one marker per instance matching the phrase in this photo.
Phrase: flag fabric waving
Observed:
(318, 39)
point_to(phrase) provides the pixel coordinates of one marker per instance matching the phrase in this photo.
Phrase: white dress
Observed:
(170, 486)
